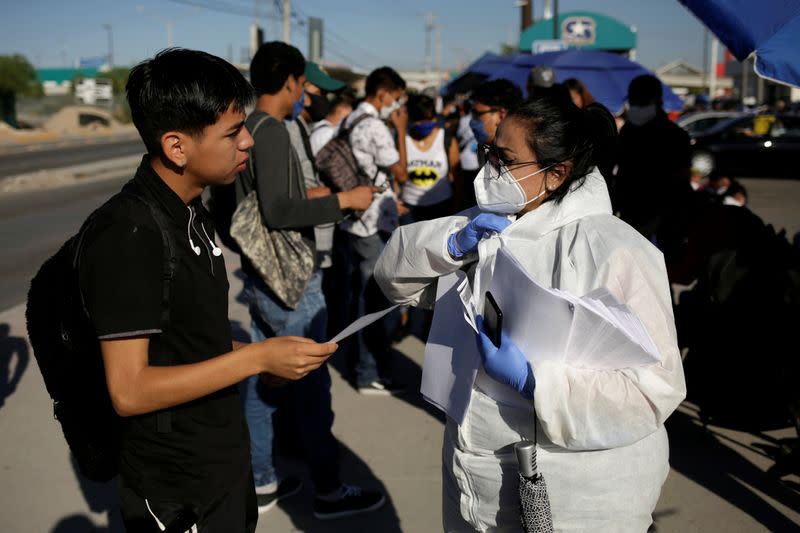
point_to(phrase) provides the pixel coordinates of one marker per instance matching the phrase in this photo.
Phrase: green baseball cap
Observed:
(316, 76)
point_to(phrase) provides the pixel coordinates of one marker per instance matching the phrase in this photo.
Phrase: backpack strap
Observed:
(344, 133)
(252, 183)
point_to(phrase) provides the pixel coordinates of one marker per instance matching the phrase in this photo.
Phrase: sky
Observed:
(361, 33)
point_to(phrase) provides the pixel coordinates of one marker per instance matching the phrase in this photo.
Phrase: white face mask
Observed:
(730, 200)
(640, 115)
(502, 193)
(386, 111)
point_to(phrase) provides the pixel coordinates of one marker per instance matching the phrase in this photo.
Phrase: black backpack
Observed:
(68, 353)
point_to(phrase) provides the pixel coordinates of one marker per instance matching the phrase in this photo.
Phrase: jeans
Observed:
(374, 340)
(308, 399)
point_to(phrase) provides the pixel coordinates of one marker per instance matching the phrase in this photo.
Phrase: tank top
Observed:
(427, 173)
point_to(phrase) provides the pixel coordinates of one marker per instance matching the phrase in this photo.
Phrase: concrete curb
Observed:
(71, 175)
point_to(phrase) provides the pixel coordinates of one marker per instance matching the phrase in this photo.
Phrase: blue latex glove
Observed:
(506, 364)
(465, 241)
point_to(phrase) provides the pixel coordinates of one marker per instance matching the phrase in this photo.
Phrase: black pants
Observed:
(234, 512)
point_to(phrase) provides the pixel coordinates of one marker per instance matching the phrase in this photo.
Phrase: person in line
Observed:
(653, 180)
(188, 107)
(324, 130)
(602, 446)
(432, 163)
(581, 96)
(492, 101)
(384, 161)
(278, 74)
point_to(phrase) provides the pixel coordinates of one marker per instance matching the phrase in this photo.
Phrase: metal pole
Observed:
(169, 34)
(110, 46)
(712, 83)
(287, 14)
(555, 19)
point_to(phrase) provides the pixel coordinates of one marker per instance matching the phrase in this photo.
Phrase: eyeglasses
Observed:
(479, 114)
(488, 153)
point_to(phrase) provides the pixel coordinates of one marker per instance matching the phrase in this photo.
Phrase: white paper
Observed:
(451, 354)
(593, 331)
(361, 323)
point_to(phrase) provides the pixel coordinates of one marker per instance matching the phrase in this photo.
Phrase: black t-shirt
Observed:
(121, 269)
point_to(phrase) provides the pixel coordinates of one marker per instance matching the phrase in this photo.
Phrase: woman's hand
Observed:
(465, 241)
(506, 364)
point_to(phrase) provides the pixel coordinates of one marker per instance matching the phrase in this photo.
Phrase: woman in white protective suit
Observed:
(602, 446)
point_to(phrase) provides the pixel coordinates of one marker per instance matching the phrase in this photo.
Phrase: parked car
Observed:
(749, 146)
(702, 121)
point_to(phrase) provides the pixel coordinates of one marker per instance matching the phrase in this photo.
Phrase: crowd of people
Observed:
(432, 181)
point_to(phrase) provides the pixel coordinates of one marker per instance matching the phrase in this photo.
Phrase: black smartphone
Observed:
(492, 319)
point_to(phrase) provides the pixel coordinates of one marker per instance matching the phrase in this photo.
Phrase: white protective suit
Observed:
(602, 444)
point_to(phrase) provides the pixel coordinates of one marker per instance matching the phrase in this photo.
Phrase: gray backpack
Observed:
(337, 164)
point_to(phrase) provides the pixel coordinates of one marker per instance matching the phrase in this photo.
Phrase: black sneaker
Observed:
(286, 487)
(383, 387)
(353, 501)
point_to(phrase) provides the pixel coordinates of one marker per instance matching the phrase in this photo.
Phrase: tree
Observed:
(17, 77)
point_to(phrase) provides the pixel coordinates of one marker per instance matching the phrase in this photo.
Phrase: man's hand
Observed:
(318, 192)
(358, 198)
(291, 357)
(402, 209)
(399, 119)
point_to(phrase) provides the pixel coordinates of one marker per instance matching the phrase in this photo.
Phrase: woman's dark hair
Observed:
(272, 65)
(420, 107)
(558, 132)
(573, 84)
(183, 90)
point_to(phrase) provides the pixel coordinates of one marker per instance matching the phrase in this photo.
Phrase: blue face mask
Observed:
(298, 105)
(478, 131)
(420, 130)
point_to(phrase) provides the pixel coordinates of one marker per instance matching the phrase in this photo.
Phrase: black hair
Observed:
(557, 132)
(345, 98)
(574, 84)
(645, 89)
(384, 78)
(272, 65)
(420, 107)
(183, 90)
(498, 93)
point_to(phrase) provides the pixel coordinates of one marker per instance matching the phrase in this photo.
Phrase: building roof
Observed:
(584, 29)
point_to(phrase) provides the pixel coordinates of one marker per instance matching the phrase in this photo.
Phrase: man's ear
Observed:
(175, 147)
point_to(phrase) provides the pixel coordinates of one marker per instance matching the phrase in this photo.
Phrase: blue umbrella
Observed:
(606, 75)
(770, 28)
(475, 74)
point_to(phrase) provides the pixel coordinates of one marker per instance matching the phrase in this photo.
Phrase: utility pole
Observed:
(110, 46)
(712, 83)
(555, 19)
(429, 26)
(439, 48)
(287, 17)
(526, 14)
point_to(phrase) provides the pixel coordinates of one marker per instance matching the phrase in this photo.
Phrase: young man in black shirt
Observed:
(170, 365)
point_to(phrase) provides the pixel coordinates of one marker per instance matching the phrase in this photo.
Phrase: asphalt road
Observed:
(33, 226)
(90, 151)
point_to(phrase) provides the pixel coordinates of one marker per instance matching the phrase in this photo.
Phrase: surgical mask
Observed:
(499, 192)
(476, 125)
(639, 115)
(420, 130)
(730, 200)
(298, 105)
(386, 111)
(319, 107)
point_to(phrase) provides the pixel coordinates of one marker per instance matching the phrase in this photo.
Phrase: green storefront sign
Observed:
(581, 29)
